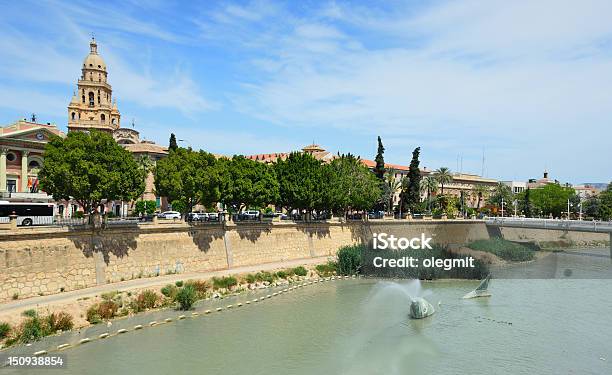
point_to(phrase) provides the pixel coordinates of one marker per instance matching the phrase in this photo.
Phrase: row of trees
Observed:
(298, 182)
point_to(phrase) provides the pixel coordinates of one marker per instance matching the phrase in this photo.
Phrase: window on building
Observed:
(83, 98)
(91, 99)
(11, 156)
(103, 118)
(114, 121)
(34, 164)
(73, 115)
(11, 186)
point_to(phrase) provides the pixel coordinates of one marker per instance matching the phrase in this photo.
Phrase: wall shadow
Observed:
(203, 235)
(251, 231)
(105, 241)
(314, 229)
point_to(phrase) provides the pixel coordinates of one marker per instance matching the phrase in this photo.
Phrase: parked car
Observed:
(170, 215)
(376, 214)
(197, 216)
(249, 215)
(212, 216)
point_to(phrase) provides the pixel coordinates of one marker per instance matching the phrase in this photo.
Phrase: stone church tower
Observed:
(92, 106)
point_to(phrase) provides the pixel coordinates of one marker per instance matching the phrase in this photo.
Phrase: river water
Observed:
(528, 326)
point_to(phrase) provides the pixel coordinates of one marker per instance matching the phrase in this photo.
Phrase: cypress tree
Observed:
(527, 204)
(379, 169)
(414, 185)
(173, 145)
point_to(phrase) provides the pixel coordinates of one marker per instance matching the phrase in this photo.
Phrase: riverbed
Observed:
(553, 316)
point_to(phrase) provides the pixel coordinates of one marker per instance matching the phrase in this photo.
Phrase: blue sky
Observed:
(528, 82)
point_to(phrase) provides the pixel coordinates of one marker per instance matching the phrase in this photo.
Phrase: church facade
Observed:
(92, 107)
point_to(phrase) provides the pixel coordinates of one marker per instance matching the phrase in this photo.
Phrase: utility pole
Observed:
(580, 214)
(502, 210)
(515, 207)
(568, 209)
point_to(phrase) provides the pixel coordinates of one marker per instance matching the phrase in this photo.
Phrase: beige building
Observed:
(21, 148)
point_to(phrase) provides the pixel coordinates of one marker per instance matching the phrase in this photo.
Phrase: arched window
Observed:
(91, 99)
(103, 118)
(34, 164)
(113, 121)
(83, 98)
(73, 115)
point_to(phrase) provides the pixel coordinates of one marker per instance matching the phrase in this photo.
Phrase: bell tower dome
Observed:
(92, 105)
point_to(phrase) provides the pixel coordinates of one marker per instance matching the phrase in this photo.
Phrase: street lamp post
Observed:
(502, 208)
(568, 209)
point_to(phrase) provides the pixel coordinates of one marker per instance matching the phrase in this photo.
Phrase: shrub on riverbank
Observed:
(349, 259)
(36, 327)
(504, 249)
(60, 321)
(104, 310)
(224, 282)
(170, 291)
(300, 271)
(326, 270)
(147, 299)
(186, 297)
(201, 287)
(5, 329)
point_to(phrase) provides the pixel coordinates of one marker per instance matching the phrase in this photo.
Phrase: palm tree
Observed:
(444, 176)
(393, 185)
(430, 185)
(480, 191)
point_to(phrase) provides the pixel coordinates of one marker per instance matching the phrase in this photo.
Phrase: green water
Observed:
(558, 326)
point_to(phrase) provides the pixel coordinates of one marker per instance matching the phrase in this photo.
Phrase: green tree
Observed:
(247, 183)
(413, 196)
(145, 207)
(429, 185)
(527, 206)
(172, 145)
(500, 192)
(591, 207)
(90, 168)
(444, 176)
(300, 180)
(552, 199)
(188, 176)
(379, 169)
(605, 206)
(146, 166)
(390, 188)
(480, 192)
(350, 185)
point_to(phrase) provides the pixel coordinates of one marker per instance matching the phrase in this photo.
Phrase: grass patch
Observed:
(504, 249)
(36, 327)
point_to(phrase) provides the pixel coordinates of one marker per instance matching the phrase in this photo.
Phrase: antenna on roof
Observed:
(132, 123)
(33, 117)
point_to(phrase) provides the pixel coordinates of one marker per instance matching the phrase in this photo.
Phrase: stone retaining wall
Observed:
(36, 261)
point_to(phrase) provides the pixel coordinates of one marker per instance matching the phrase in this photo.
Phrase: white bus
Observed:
(27, 213)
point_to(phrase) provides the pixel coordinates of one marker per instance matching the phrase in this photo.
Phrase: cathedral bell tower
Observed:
(92, 105)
